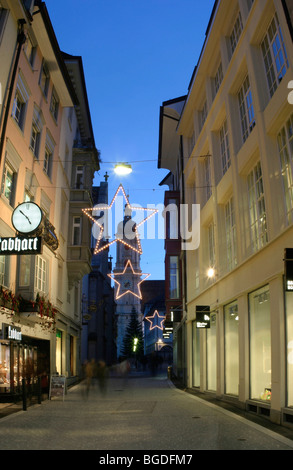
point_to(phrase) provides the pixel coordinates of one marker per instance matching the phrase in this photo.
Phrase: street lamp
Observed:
(122, 169)
(211, 273)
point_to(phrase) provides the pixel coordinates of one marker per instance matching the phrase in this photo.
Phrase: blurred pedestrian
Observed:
(89, 374)
(102, 375)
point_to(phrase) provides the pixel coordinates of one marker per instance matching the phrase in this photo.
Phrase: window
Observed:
(231, 349)
(41, 275)
(44, 79)
(203, 115)
(246, 109)
(48, 161)
(25, 270)
(260, 344)
(274, 55)
(218, 77)
(29, 50)
(224, 146)
(49, 155)
(8, 183)
(76, 235)
(207, 178)
(249, 4)
(211, 246)
(230, 234)
(20, 101)
(79, 177)
(285, 145)
(4, 271)
(35, 140)
(211, 360)
(257, 211)
(3, 17)
(54, 106)
(236, 32)
(174, 291)
(289, 347)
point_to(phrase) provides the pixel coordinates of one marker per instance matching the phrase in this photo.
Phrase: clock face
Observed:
(26, 217)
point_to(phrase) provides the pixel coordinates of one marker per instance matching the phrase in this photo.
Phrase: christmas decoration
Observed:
(156, 320)
(128, 284)
(136, 247)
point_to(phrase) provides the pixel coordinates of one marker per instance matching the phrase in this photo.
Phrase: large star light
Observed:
(156, 320)
(135, 246)
(127, 278)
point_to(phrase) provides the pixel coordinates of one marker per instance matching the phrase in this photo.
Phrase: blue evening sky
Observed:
(136, 54)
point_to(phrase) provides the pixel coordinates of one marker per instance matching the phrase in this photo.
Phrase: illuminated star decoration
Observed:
(126, 281)
(99, 248)
(155, 318)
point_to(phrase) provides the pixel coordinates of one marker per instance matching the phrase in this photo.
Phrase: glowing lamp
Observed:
(122, 169)
(211, 273)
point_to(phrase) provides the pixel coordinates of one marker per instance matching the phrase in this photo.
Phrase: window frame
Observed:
(274, 52)
(257, 209)
(246, 109)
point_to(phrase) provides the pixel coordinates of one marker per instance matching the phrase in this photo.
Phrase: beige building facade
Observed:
(235, 161)
(48, 157)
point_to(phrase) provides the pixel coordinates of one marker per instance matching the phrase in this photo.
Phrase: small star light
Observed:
(127, 275)
(155, 319)
(134, 247)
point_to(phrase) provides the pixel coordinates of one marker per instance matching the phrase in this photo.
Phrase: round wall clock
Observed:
(26, 217)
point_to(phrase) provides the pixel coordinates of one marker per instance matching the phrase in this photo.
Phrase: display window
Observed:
(212, 353)
(289, 324)
(260, 344)
(4, 366)
(17, 362)
(231, 349)
(195, 355)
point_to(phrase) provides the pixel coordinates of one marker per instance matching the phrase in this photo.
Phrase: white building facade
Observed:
(236, 135)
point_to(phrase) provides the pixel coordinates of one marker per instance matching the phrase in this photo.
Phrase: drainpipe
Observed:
(21, 38)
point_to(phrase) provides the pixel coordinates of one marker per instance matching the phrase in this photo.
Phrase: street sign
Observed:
(202, 313)
(57, 386)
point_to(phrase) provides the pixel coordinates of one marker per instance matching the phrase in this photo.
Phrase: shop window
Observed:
(231, 349)
(260, 344)
(195, 355)
(4, 367)
(289, 324)
(212, 353)
(59, 352)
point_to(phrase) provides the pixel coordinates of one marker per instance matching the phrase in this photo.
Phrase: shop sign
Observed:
(57, 386)
(11, 332)
(20, 245)
(202, 313)
(288, 259)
